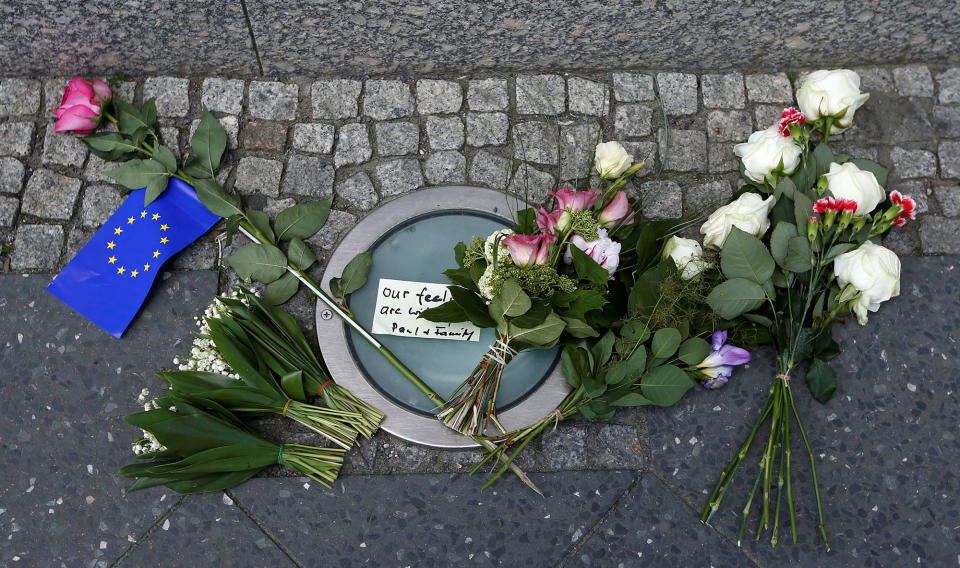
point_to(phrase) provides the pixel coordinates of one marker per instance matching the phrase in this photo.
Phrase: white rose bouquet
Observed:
(798, 250)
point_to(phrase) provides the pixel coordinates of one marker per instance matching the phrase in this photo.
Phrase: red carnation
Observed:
(788, 117)
(908, 208)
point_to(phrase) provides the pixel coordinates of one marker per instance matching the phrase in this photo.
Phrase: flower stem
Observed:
(813, 468)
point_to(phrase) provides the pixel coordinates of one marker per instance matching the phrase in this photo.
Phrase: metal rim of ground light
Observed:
(332, 333)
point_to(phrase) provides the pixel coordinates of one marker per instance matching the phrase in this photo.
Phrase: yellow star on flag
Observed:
(143, 214)
(130, 221)
(111, 244)
(121, 270)
(156, 253)
(112, 259)
(117, 231)
(156, 216)
(134, 274)
(164, 227)
(146, 267)
(164, 240)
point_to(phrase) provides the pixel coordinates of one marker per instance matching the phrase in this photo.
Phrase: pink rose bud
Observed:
(528, 250)
(616, 211)
(79, 110)
(548, 221)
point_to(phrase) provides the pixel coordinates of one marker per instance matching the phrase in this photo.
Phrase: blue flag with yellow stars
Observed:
(108, 280)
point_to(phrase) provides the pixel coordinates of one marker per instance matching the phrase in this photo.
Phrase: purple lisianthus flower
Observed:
(717, 367)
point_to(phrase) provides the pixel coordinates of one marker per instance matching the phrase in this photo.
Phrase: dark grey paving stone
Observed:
(66, 386)
(432, 520)
(208, 530)
(885, 446)
(654, 527)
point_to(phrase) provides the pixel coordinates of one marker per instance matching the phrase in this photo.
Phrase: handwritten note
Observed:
(399, 302)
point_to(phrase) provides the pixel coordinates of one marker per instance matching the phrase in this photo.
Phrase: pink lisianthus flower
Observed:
(616, 211)
(548, 221)
(81, 106)
(575, 200)
(604, 251)
(527, 250)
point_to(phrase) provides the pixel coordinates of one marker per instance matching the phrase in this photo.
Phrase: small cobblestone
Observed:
(15, 138)
(264, 135)
(939, 235)
(63, 149)
(540, 94)
(308, 176)
(445, 167)
(53, 89)
(682, 150)
(170, 137)
(913, 163)
(720, 158)
(37, 247)
(767, 116)
(172, 95)
(19, 97)
(645, 152)
(729, 126)
(444, 133)
(578, 143)
(769, 88)
(357, 190)
(353, 146)
(337, 225)
(633, 121)
(438, 97)
(633, 88)
(11, 175)
(99, 202)
(722, 91)
(588, 97)
(488, 94)
(706, 197)
(948, 196)
(662, 200)
(950, 159)
(913, 81)
(531, 184)
(487, 128)
(948, 86)
(536, 142)
(93, 172)
(399, 176)
(678, 92)
(76, 238)
(50, 195)
(8, 210)
(564, 448)
(336, 98)
(384, 100)
(314, 138)
(397, 138)
(903, 243)
(946, 121)
(490, 170)
(616, 444)
(230, 124)
(259, 176)
(272, 100)
(223, 95)
(875, 79)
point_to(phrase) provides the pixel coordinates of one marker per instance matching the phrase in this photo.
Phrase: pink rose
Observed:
(79, 110)
(575, 200)
(527, 250)
(616, 211)
(548, 221)
(604, 251)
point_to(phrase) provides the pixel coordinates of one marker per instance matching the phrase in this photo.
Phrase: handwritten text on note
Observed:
(399, 302)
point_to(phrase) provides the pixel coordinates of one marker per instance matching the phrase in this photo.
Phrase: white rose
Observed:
(831, 93)
(874, 271)
(687, 254)
(503, 255)
(847, 181)
(611, 160)
(748, 213)
(766, 151)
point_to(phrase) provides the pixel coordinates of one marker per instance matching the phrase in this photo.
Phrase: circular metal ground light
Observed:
(412, 238)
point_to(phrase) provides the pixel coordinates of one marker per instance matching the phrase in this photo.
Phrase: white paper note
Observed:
(399, 302)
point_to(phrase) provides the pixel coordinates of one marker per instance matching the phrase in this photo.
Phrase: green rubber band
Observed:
(280, 455)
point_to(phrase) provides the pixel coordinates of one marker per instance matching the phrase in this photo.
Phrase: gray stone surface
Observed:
(445, 167)
(19, 96)
(487, 128)
(273, 100)
(939, 235)
(540, 94)
(259, 176)
(948, 196)
(444, 132)
(913, 81)
(8, 210)
(678, 93)
(357, 190)
(337, 225)
(11, 175)
(398, 176)
(949, 153)
(308, 176)
(874, 79)
(531, 183)
(704, 198)
(729, 125)
(314, 138)
(397, 138)
(722, 91)
(222, 95)
(948, 86)
(76, 238)
(536, 141)
(682, 150)
(335, 98)
(171, 94)
(438, 97)
(578, 142)
(15, 138)
(384, 99)
(903, 243)
(616, 446)
(720, 158)
(916, 189)
(767, 116)
(946, 121)
(50, 195)
(99, 202)
(662, 200)
(170, 137)
(488, 94)
(63, 149)
(588, 97)
(633, 87)
(265, 135)
(769, 88)
(489, 170)
(645, 152)
(913, 163)
(37, 247)
(633, 121)
(353, 145)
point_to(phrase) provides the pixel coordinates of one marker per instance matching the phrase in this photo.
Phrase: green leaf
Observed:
(165, 156)
(148, 111)
(785, 187)
(459, 251)
(757, 318)
(129, 118)
(876, 169)
(584, 301)
(638, 359)
(232, 226)
(821, 381)
(110, 146)
(735, 297)
(336, 289)
(575, 364)
(802, 209)
(635, 330)
(216, 200)
(587, 268)
(632, 399)
(542, 334)
(195, 169)
(538, 312)
(602, 349)
(261, 221)
(292, 384)
(281, 289)
(824, 157)
(264, 263)
(578, 328)
(526, 221)
(665, 343)
(447, 312)
(461, 277)
(837, 250)
(515, 302)
(782, 233)
(209, 142)
(300, 254)
(137, 173)
(745, 256)
(799, 256)
(302, 221)
(665, 385)
(693, 351)
(473, 306)
(356, 272)
(155, 187)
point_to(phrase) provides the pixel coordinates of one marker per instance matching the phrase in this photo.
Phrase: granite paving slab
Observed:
(66, 386)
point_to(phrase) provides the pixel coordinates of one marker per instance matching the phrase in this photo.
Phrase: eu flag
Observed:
(108, 280)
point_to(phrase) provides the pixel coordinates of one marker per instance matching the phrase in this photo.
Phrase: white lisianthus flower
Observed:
(833, 93)
(611, 159)
(766, 152)
(687, 254)
(874, 271)
(748, 213)
(503, 255)
(847, 181)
